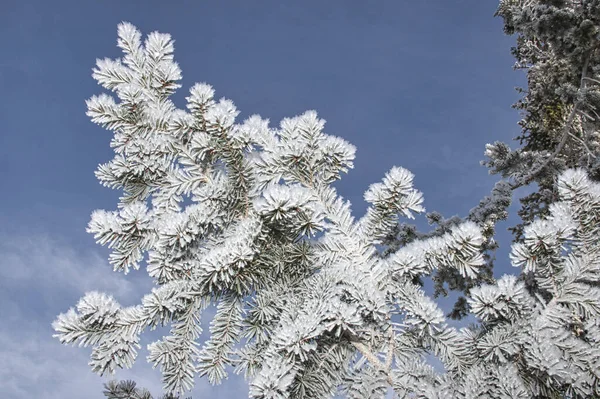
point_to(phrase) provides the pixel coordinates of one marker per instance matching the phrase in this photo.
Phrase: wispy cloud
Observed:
(41, 261)
(43, 276)
(37, 366)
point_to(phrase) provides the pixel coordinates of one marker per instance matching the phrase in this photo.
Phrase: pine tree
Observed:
(558, 45)
(128, 389)
(308, 304)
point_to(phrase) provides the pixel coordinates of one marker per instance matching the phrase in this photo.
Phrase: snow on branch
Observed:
(244, 216)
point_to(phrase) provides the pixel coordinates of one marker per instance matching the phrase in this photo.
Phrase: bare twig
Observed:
(390, 353)
(589, 152)
(591, 79)
(371, 357)
(587, 116)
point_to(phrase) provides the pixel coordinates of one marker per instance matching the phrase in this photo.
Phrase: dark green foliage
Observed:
(557, 46)
(127, 389)
(490, 210)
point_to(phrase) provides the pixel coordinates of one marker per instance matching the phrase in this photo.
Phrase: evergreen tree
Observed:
(558, 45)
(128, 389)
(308, 302)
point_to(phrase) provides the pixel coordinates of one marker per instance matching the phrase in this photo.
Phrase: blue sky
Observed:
(423, 85)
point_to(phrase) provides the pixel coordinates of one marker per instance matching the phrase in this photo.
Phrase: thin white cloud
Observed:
(43, 276)
(42, 261)
(38, 366)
